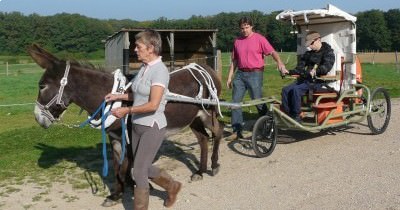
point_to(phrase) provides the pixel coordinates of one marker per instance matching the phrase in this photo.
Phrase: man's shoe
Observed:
(298, 119)
(234, 136)
(240, 136)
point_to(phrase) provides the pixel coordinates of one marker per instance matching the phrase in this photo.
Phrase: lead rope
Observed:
(103, 136)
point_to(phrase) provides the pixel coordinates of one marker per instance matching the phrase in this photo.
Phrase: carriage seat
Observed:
(326, 92)
(325, 101)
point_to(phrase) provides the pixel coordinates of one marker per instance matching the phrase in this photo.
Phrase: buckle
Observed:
(64, 81)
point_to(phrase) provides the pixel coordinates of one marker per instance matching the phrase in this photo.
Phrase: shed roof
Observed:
(161, 30)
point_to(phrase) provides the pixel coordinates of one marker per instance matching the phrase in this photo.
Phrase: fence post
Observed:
(287, 59)
(397, 62)
(373, 57)
(7, 68)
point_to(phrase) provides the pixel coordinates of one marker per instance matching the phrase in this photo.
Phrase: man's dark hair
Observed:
(245, 20)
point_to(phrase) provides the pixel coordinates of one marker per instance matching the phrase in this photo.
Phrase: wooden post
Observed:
(219, 65)
(287, 59)
(172, 50)
(373, 57)
(7, 68)
(397, 62)
(125, 54)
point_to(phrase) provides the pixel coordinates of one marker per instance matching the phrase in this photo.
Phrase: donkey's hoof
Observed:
(215, 171)
(112, 200)
(108, 202)
(197, 177)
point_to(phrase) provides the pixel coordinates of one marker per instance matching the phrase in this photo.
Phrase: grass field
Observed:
(28, 150)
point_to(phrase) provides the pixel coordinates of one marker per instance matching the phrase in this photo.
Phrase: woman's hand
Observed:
(111, 97)
(120, 112)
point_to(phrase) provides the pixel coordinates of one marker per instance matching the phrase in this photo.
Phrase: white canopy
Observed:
(303, 17)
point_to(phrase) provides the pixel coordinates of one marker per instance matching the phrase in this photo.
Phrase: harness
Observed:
(57, 98)
(119, 87)
(213, 97)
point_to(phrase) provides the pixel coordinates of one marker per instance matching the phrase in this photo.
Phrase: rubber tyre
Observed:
(264, 136)
(380, 110)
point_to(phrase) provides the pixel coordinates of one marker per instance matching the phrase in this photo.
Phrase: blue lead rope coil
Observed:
(103, 135)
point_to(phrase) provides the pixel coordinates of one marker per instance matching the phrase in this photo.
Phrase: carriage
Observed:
(345, 100)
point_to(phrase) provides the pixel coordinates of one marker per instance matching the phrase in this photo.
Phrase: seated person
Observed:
(317, 61)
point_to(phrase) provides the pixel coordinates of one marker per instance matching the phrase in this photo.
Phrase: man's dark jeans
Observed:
(252, 81)
(291, 96)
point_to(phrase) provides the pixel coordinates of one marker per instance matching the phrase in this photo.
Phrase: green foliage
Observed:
(83, 36)
(278, 33)
(392, 18)
(372, 31)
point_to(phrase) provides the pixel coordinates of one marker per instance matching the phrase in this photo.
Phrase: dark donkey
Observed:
(87, 86)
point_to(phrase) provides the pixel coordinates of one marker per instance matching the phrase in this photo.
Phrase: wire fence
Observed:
(7, 69)
(378, 57)
(12, 105)
(289, 58)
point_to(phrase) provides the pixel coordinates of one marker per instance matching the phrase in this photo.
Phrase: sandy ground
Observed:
(346, 169)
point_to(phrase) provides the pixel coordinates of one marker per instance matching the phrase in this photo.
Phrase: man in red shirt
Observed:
(248, 57)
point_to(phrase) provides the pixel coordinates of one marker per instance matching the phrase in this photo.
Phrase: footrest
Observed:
(323, 110)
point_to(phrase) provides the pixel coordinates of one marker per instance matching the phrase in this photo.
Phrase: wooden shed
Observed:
(179, 47)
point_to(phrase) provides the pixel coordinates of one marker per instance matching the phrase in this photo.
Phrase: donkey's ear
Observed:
(43, 58)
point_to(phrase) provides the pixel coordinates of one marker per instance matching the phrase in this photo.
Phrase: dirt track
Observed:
(347, 169)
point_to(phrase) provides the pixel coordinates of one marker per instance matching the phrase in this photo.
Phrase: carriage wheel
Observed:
(264, 135)
(380, 109)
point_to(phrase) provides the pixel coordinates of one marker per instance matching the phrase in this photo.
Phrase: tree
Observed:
(392, 18)
(13, 34)
(372, 31)
(74, 33)
(227, 25)
(278, 33)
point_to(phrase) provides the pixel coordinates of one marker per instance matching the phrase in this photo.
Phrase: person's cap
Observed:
(311, 36)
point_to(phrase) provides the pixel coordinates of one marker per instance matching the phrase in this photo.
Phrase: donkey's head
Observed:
(52, 100)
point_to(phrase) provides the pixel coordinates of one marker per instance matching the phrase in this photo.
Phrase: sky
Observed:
(180, 9)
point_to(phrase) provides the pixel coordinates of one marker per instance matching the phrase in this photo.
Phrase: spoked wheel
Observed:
(264, 135)
(380, 109)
